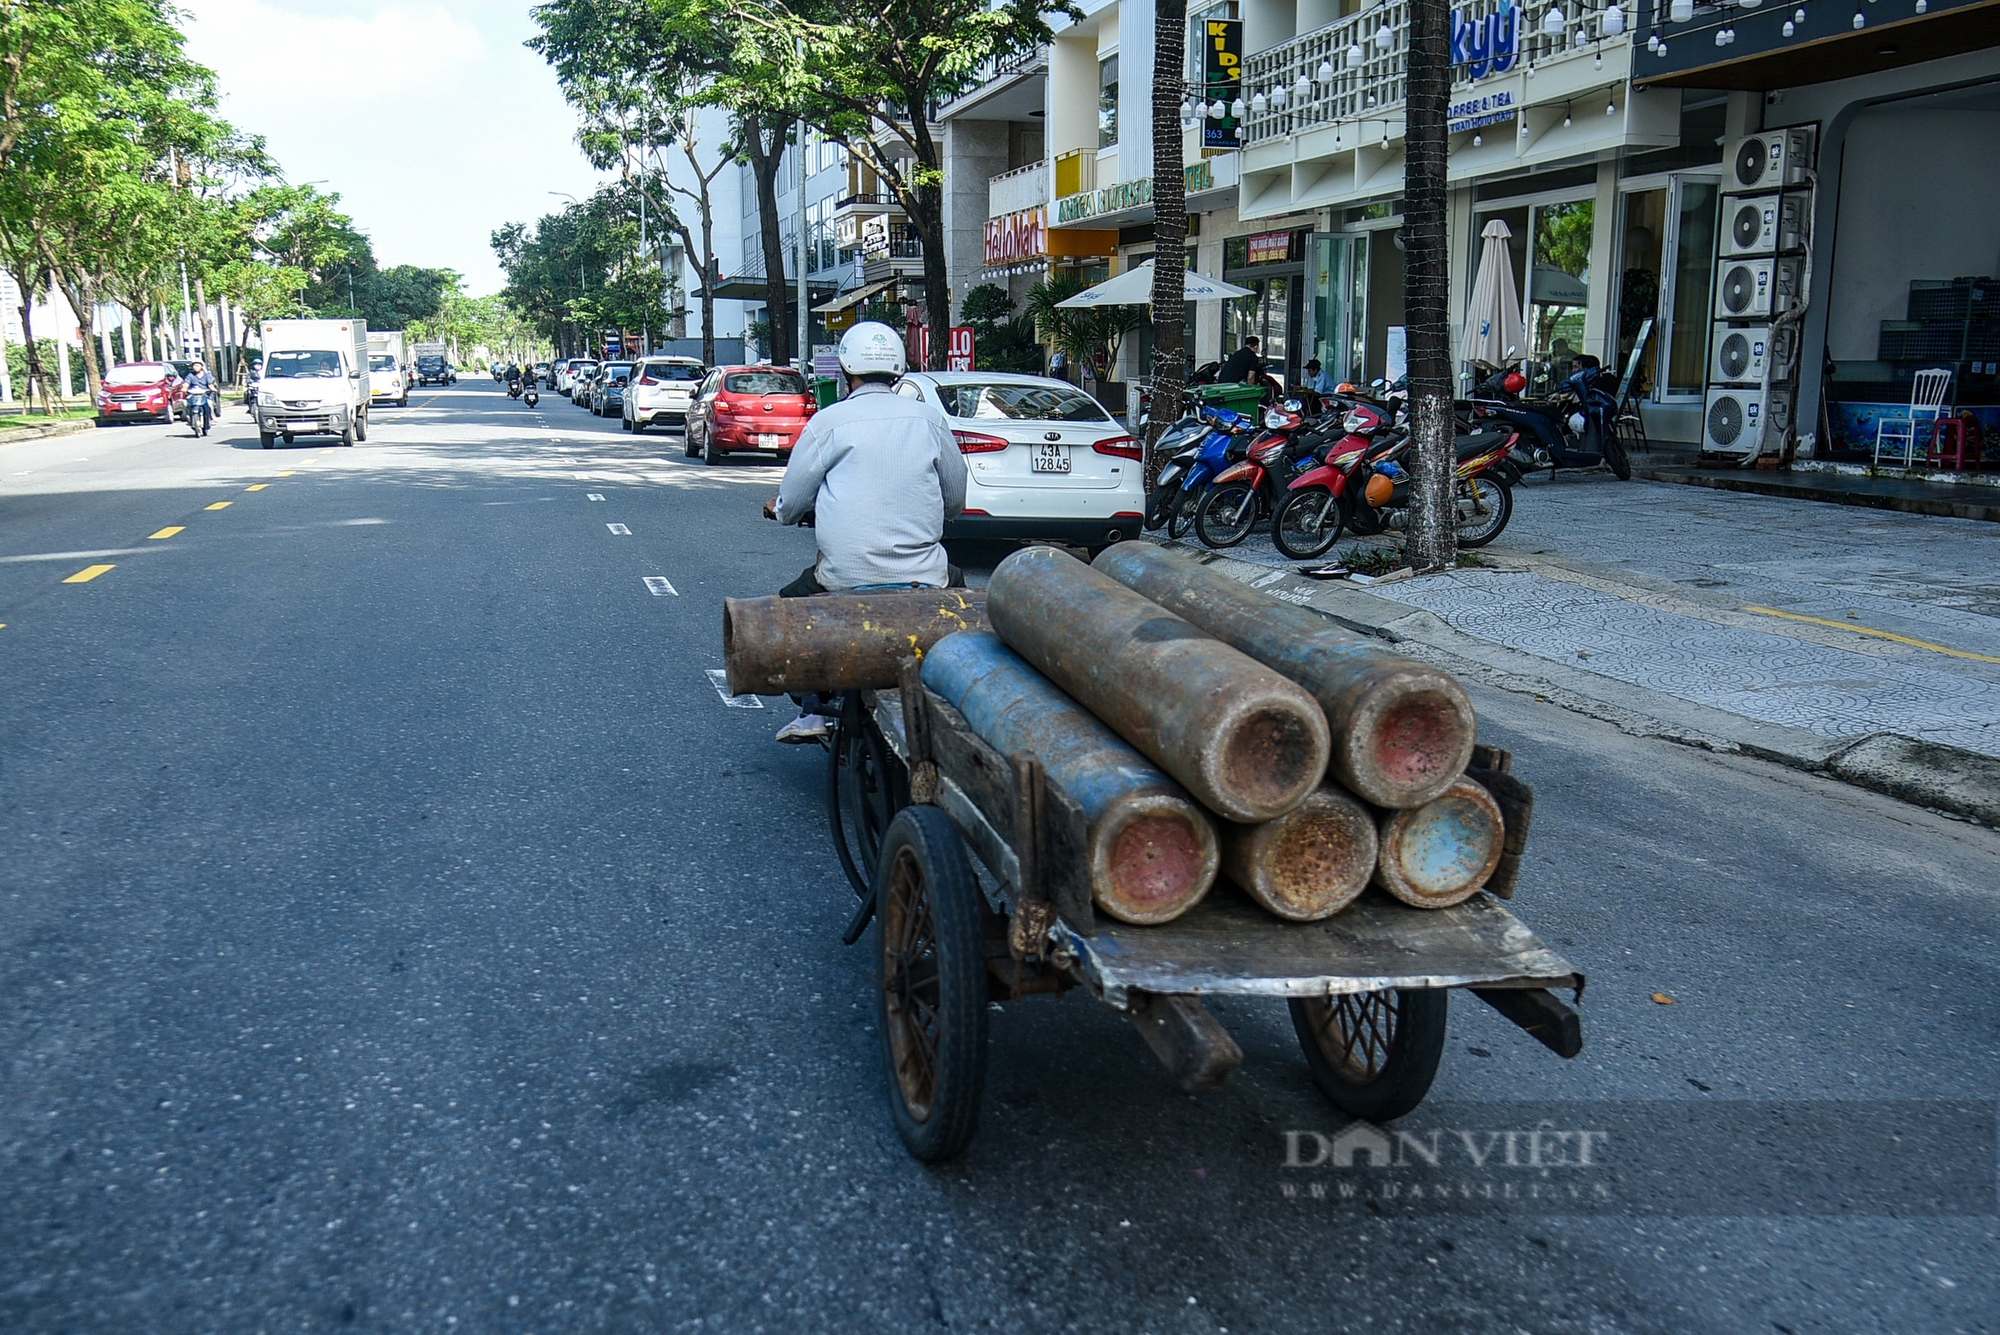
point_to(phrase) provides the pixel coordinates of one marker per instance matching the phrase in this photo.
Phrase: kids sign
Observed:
(1486, 45)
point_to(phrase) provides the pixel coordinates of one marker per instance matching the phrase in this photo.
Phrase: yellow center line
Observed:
(219, 505)
(287, 473)
(1878, 634)
(259, 487)
(168, 532)
(87, 574)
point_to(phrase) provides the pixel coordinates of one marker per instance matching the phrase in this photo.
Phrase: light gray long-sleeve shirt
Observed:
(880, 473)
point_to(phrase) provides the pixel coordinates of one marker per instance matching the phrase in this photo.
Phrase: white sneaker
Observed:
(806, 728)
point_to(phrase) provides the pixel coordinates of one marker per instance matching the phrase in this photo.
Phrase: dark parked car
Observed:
(142, 392)
(748, 408)
(607, 391)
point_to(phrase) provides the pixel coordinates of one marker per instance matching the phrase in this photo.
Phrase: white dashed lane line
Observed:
(593, 496)
(660, 587)
(720, 681)
(620, 530)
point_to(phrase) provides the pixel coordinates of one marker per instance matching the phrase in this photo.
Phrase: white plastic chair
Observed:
(1896, 437)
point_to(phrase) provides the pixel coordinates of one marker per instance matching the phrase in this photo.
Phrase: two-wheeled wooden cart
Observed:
(914, 796)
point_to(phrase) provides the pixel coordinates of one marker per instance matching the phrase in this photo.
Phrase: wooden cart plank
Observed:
(1226, 945)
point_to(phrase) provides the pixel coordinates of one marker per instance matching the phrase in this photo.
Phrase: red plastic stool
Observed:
(1955, 443)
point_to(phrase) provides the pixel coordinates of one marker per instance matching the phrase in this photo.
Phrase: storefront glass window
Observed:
(1687, 362)
(1558, 289)
(1643, 239)
(1107, 101)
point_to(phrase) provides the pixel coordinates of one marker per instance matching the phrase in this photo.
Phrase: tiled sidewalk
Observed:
(1652, 585)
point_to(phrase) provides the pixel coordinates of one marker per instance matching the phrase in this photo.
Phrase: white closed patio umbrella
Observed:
(1493, 330)
(1134, 287)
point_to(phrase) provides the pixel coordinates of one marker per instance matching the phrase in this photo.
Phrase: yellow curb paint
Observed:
(259, 487)
(87, 574)
(219, 505)
(168, 532)
(1878, 634)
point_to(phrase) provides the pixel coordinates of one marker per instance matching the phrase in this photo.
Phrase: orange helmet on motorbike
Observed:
(1381, 487)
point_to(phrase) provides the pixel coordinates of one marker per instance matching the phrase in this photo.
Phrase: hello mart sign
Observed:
(1127, 195)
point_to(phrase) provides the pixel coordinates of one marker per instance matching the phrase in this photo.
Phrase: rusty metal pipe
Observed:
(1249, 743)
(1309, 863)
(1402, 730)
(1152, 851)
(838, 641)
(1440, 853)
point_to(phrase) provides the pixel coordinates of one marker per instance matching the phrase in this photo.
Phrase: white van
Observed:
(388, 369)
(314, 380)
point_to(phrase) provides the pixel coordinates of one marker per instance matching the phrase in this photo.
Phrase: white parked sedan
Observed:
(1043, 459)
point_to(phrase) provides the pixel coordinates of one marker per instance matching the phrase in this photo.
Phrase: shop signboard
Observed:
(1488, 43)
(958, 354)
(1268, 248)
(1469, 113)
(1222, 76)
(1017, 237)
(1197, 176)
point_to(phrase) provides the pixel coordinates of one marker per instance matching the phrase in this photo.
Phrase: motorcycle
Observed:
(1483, 489)
(1222, 443)
(200, 416)
(529, 396)
(1178, 445)
(1585, 436)
(1244, 492)
(1318, 502)
(513, 387)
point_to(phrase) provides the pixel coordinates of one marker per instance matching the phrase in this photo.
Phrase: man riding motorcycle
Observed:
(201, 398)
(879, 473)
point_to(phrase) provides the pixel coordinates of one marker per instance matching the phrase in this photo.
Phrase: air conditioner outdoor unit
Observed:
(1771, 160)
(1763, 224)
(1756, 289)
(1742, 421)
(1751, 354)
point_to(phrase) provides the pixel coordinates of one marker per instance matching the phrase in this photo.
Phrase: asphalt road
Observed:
(398, 932)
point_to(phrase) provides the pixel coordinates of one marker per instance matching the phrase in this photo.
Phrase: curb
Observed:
(1765, 485)
(1928, 774)
(68, 428)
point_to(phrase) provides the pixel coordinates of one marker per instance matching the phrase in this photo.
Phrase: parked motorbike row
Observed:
(1318, 468)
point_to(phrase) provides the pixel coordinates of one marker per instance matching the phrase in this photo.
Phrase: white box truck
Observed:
(388, 368)
(314, 380)
(432, 368)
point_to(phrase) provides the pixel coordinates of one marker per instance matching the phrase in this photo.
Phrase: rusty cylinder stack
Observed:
(838, 641)
(1152, 851)
(1402, 731)
(1246, 741)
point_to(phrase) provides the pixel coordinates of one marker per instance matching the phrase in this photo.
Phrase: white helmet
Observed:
(871, 347)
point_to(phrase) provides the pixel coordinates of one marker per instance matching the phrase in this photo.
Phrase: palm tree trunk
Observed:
(1433, 536)
(1169, 222)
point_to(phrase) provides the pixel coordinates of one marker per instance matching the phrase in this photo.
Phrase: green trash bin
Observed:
(826, 390)
(1243, 398)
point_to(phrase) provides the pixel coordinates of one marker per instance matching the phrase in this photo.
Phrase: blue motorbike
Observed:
(1202, 444)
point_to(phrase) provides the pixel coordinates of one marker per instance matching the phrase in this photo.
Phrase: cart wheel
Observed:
(1373, 1053)
(933, 983)
(864, 789)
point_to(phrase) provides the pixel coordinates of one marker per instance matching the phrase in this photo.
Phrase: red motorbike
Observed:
(1246, 491)
(1319, 502)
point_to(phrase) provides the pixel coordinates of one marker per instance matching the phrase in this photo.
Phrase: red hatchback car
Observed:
(747, 408)
(141, 392)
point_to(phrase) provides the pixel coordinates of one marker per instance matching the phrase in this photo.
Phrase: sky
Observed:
(430, 119)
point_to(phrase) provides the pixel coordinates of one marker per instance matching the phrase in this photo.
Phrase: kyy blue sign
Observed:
(1486, 45)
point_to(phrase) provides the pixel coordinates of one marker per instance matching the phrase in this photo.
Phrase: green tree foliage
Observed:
(578, 273)
(1001, 340)
(1083, 334)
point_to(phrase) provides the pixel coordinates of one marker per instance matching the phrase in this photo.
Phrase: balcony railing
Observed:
(880, 199)
(1022, 188)
(1353, 70)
